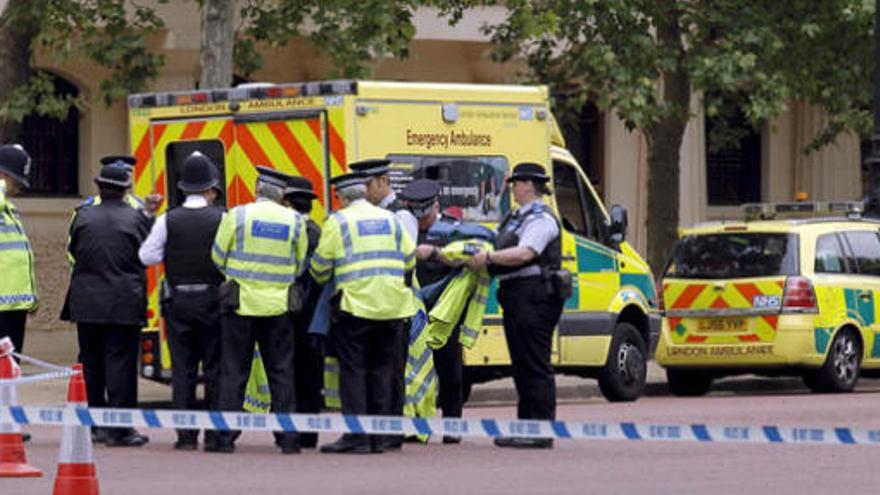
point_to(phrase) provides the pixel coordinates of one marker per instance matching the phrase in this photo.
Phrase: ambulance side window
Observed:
(865, 247)
(829, 255)
(570, 198)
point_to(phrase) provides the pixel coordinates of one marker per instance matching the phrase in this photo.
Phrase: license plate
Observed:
(722, 324)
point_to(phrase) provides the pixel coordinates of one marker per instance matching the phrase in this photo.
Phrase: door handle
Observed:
(569, 257)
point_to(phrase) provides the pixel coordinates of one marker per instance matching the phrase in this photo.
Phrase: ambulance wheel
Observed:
(622, 379)
(842, 365)
(688, 383)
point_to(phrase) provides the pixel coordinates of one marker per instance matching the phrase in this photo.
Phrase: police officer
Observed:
(421, 197)
(18, 294)
(127, 162)
(368, 255)
(261, 249)
(380, 193)
(528, 249)
(182, 239)
(308, 358)
(107, 298)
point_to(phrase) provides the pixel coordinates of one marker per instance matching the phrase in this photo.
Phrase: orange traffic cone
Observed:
(76, 465)
(13, 461)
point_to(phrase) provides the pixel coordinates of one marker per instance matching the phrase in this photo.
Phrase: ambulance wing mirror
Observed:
(617, 224)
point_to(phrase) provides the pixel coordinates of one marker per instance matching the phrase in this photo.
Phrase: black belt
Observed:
(193, 287)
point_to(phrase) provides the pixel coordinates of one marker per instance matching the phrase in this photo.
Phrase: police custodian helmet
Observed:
(15, 162)
(199, 174)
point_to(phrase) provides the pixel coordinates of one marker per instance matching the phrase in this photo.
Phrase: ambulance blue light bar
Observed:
(244, 92)
(803, 209)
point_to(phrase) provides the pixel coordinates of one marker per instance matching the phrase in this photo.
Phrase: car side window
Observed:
(829, 255)
(569, 199)
(865, 246)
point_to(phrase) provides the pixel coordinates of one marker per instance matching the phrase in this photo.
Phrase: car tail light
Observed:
(799, 296)
(147, 345)
(147, 358)
(661, 306)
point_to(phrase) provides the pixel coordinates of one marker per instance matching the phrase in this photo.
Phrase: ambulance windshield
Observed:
(473, 188)
(718, 256)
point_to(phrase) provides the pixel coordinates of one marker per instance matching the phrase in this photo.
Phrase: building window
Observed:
(733, 157)
(54, 148)
(583, 132)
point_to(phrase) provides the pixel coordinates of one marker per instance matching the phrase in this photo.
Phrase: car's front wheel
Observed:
(623, 377)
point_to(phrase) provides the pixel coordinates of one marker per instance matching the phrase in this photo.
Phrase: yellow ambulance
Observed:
(466, 136)
(792, 290)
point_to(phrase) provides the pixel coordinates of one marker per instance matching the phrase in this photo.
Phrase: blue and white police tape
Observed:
(335, 423)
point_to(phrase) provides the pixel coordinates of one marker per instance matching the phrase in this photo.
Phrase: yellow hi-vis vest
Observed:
(467, 293)
(367, 252)
(262, 246)
(17, 288)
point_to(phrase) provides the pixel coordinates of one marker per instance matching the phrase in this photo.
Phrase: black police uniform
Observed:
(531, 308)
(191, 303)
(308, 356)
(448, 362)
(107, 299)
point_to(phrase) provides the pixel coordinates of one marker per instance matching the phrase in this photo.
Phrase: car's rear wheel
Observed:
(623, 377)
(842, 367)
(688, 383)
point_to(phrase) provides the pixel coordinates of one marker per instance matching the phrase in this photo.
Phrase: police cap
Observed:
(347, 180)
(529, 171)
(371, 168)
(300, 187)
(420, 196)
(125, 161)
(272, 176)
(15, 162)
(113, 176)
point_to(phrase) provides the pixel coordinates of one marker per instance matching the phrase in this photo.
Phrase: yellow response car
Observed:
(793, 290)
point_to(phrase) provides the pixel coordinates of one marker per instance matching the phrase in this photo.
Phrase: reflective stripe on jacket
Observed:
(367, 253)
(466, 294)
(17, 288)
(263, 247)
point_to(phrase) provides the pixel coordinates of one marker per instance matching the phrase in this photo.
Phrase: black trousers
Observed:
(109, 355)
(308, 373)
(449, 365)
(398, 391)
(530, 315)
(239, 334)
(193, 324)
(367, 350)
(12, 325)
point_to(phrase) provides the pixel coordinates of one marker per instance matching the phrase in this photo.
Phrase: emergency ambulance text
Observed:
(430, 140)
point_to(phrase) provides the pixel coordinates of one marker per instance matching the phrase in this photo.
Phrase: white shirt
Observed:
(407, 220)
(152, 251)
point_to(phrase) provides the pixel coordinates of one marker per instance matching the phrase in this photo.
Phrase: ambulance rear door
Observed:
(294, 142)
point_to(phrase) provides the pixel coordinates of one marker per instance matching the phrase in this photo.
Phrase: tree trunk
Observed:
(16, 38)
(664, 150)
(218, 40)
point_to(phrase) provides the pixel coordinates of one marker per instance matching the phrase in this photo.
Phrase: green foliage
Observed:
(351, 32)
(111, 33)
(38, 97)
(753, 55)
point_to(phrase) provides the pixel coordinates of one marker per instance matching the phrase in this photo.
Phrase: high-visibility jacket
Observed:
(262, 246)
(466, 294)
(421, 378)
(367, 253)
(17, 288)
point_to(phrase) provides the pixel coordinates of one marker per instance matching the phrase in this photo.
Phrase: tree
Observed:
(111, 33)
(646, 59)
(218, 41)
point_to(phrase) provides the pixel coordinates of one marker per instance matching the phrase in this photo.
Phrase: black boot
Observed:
(348, 444)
